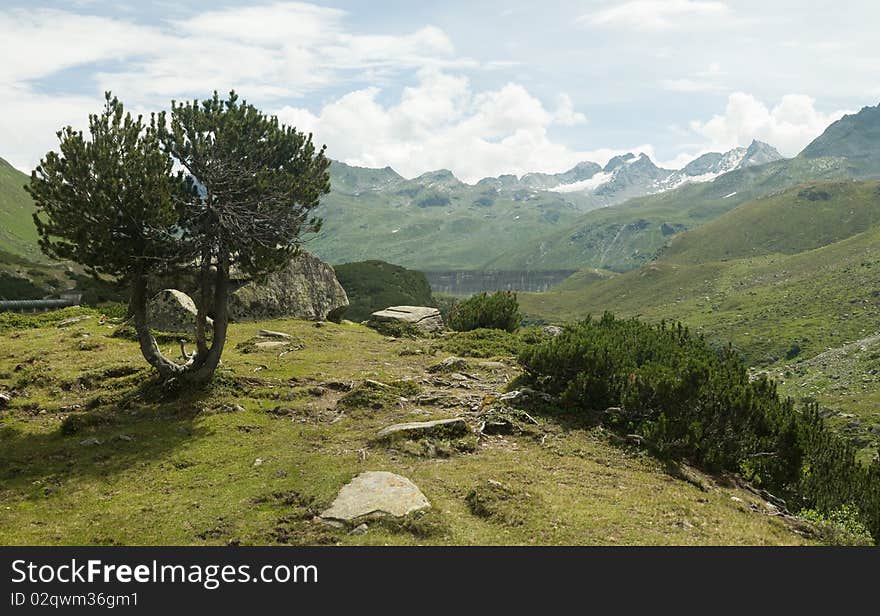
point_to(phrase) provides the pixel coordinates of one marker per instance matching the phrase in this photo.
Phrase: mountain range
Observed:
(613, 217)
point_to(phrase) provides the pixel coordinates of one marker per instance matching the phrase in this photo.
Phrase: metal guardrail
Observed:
(37, 305)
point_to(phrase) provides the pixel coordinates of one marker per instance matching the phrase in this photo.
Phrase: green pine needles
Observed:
(500, 310)
(216, 186)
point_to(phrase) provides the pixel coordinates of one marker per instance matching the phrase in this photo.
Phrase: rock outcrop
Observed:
(423, 318)
(171, 310)
(306, 288)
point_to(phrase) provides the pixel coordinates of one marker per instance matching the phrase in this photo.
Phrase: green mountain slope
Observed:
(793, 221)
(431, 222)
(17, 232)
(778, 310)
(625, 236)
(725, 278)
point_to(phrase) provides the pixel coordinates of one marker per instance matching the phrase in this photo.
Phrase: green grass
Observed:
(807, 217)
(18, 235)
(93, 451)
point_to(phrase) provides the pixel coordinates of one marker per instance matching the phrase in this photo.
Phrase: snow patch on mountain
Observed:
(589, 184)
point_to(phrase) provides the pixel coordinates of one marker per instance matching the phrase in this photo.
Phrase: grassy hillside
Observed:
(778, 309)
(375, 285)
(817, 299)
(18, 235)
(91, 452)
(793, 221)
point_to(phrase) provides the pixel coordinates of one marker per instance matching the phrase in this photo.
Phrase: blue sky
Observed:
(481, 88)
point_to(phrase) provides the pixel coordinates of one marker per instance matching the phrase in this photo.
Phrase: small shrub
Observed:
(842, 526)
(483, 343)
(688, 401)
(499, 310)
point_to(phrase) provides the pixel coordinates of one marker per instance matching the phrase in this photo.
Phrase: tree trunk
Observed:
(202, 315)
(201, 366)
(203, 369)
(149, 348)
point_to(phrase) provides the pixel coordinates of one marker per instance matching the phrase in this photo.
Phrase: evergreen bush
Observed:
(691, 402)
(500, 310)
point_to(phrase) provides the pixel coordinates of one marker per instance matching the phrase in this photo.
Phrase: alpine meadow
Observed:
(600, 273)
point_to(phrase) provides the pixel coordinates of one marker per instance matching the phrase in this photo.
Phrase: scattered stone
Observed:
(90, 442)
(359, 530)
(492, 365)
(258, 462)
(317, 391)
(450, 364)
(171, 310)
(378, 384)
(5, 399)
(441, 428)
(268, 333)
(124, 437)
(423, 318)
(319, 323)
(73, 320)
(457, 376)
(525, 395)
(229, 408)
(376, 493)
(553, 330)
(507, 421)
(270, 344)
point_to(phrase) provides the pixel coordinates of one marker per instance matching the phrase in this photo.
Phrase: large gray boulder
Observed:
(171, 310)
(376, 493)
(306, 288)
(424, 318)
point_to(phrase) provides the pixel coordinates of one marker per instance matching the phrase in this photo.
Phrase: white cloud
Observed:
(788, 126)
(267, 53)
(565, 113)
(44, 41)
(29, 122)
(657, 14)
(442, 123)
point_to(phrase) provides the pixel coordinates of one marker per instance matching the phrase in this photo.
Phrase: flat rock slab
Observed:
(423, 317)
(376, 493)
(270, 344)
(268, 333)
(442, 428)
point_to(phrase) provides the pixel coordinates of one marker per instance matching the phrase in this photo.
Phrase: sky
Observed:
(480, 88)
